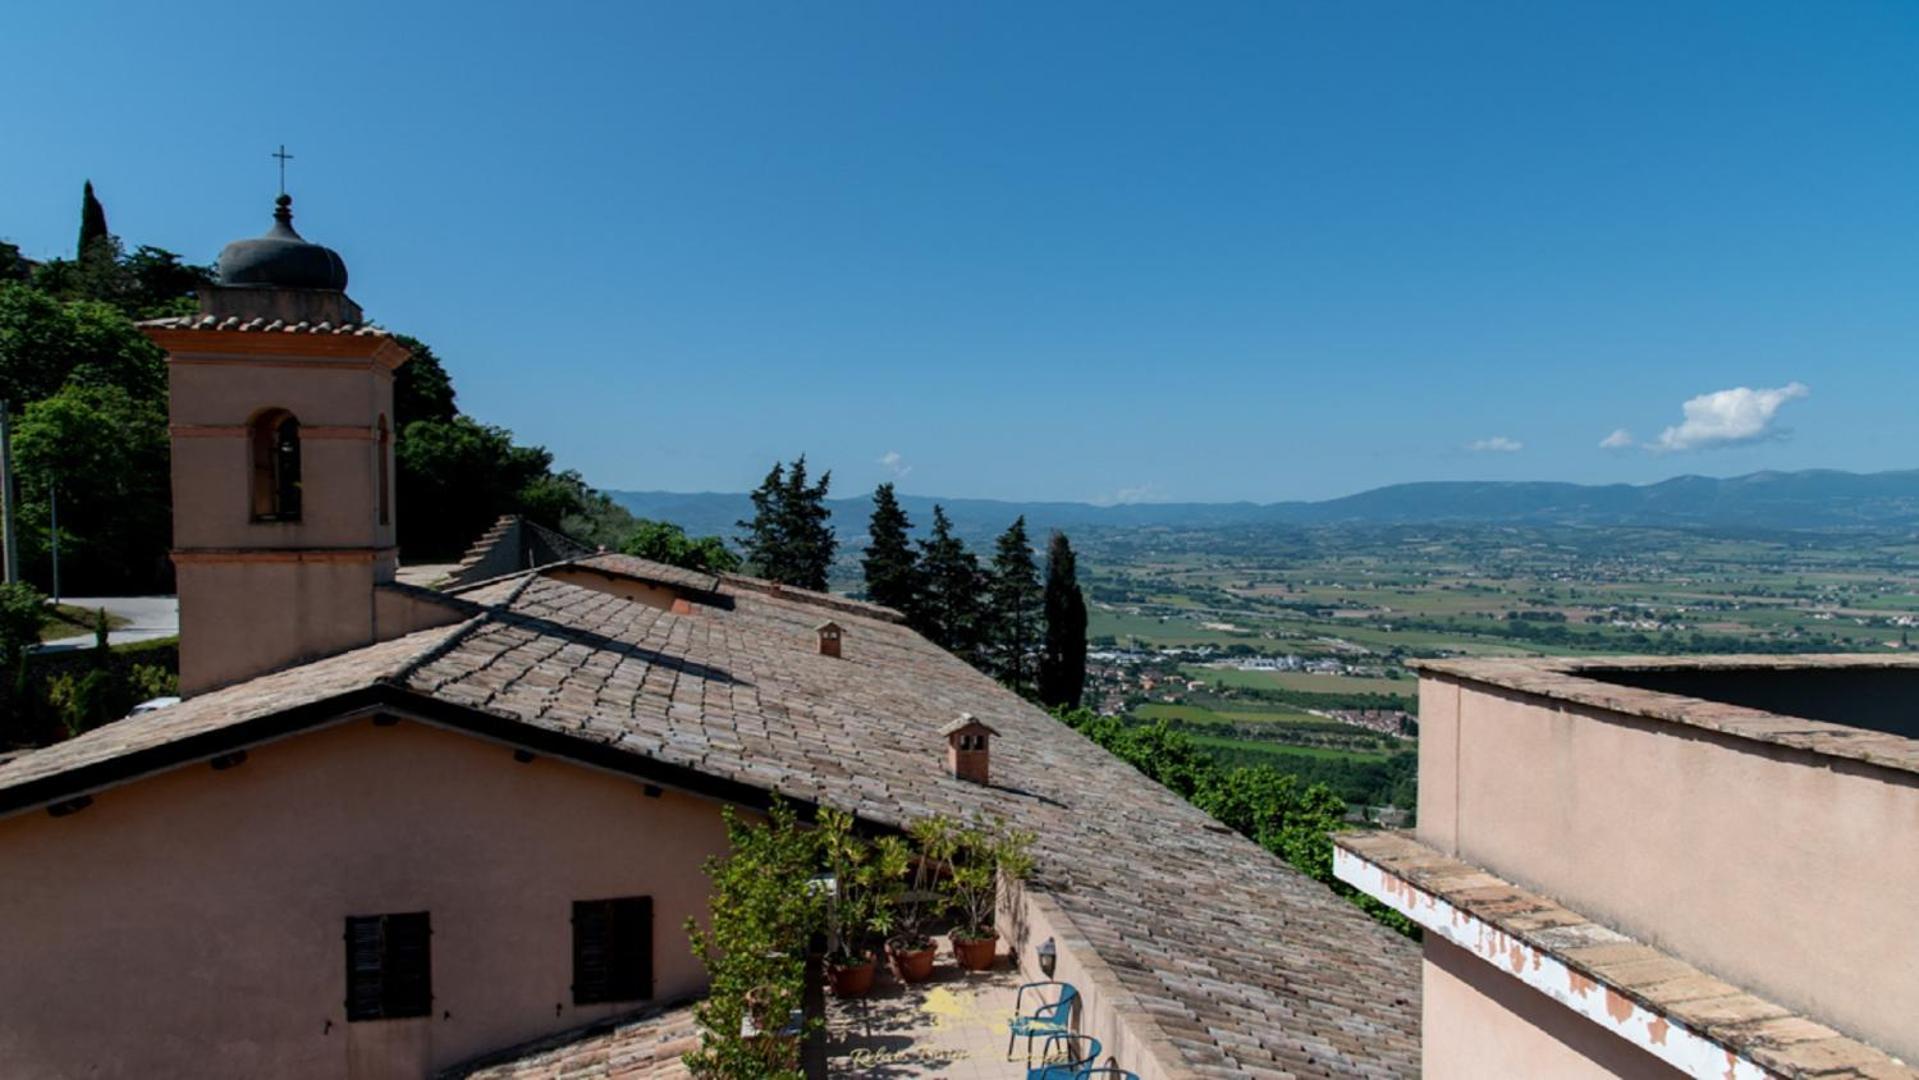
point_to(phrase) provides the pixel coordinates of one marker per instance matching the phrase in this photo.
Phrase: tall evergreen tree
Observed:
(93, 222)
(892, 570)
(1062, 662)
(950, 610)
(1016, 608)
(788, 539)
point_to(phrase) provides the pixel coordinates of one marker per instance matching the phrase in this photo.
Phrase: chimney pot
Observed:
(830, 634)
(968, 748)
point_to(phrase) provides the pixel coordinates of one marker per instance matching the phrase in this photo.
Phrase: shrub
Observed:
(985, 853)
(763, 912)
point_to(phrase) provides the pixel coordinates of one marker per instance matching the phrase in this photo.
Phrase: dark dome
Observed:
(281, 259)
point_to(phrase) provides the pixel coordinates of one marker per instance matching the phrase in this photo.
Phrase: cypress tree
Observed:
(762, 543)
(809, 537)
(93, 222)
(892, 570)
(1016, 607)
(1062, 662)
(950, 610)
(788, 539)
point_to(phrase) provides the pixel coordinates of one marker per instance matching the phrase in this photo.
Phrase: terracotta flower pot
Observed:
(976, 954)
(912, 965)
(851, 980)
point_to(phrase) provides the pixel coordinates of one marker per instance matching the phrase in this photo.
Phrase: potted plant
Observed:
(859, 902)
(985, 853)
(912, 950)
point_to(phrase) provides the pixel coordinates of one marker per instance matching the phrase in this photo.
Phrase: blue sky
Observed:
(1080, 251)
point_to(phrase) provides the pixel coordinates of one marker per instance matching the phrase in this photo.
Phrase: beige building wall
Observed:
(1478, 1021)
(190, 924)
(241, 617)
(1784, 872)
(256, 596)
(338, 403)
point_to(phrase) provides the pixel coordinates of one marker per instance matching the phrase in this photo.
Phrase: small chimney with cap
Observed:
(968, 748)
(830, 634)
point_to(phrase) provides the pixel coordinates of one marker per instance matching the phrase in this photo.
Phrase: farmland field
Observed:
(1170, 615)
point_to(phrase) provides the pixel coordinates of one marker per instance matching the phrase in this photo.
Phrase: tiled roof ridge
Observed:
(814, 597)
(520, 575)
(235, 324)
(457, 633)
(487, 613)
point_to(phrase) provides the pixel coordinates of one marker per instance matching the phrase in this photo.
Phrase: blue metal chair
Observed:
(1074, 1054)
(1047, 1018)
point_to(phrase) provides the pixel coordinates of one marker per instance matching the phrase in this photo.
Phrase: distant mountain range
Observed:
(1814, 499)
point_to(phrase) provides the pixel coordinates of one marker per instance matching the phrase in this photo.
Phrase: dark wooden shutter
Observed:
(389, 966)
(612, 950)
(364, 955)
(409, 965)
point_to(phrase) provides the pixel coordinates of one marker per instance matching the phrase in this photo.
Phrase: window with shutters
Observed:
(389, 966)
(612, 950)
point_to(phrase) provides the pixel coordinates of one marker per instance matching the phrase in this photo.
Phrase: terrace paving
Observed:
(951, 1026)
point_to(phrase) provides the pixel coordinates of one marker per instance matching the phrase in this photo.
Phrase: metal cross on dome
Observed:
(284, 158)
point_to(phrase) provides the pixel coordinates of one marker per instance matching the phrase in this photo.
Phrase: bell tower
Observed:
(281, 412)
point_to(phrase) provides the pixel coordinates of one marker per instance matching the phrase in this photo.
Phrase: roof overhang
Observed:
(383, 699)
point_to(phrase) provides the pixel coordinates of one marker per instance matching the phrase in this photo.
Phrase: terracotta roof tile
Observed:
(262, 326)
(646, 1046)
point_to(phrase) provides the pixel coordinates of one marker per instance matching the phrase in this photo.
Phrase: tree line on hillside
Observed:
(88, 391)
(999, 617)
(1287, 816)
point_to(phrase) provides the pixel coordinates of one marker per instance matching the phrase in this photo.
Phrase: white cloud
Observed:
(895, 464)
(1125, 496)
(1729, 417)
(1498, 444)
(1620, 439)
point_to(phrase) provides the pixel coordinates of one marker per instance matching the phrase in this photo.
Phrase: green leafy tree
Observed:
(754, 947)
(665, 542)
(45, 343)
(788, 539)
(21, 609)
(1292, 820)
(1062, 662)
(13, 265)
(157, 284)
(892, 570)
(422, 390)
(103, 453)
(1015, 615)
(456, 477)
(952, 611)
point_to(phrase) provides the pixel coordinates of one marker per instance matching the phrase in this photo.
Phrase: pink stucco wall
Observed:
(338, 404)
(1479, 1022)
(241, 614)
(190, 924)
(1785, 873)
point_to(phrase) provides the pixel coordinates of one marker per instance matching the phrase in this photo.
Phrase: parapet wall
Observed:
(1782, 870)
(1108, 1011)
